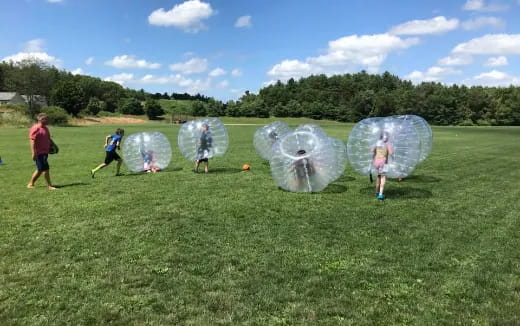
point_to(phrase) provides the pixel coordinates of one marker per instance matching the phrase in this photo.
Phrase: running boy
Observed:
(112, 143)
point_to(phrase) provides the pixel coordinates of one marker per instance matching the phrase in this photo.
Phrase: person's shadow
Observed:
(334, 188)
(221, 170)
(422, 179)
(73, 184)
(346, 178)
(400, 192)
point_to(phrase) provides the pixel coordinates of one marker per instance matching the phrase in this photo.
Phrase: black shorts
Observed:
(203, 160)
(41, 162)
(111, 156)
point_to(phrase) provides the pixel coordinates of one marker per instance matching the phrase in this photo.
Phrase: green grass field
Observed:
(230, 248)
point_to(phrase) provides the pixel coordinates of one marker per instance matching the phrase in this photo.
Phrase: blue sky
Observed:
(221, 48)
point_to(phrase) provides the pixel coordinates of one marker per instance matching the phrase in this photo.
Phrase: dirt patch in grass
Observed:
(105, 120)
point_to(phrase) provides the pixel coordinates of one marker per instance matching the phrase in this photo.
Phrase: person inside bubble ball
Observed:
(273, 137)
(149, 161)
(302, 168)
(112, 143)
(381, 151)
(204, 146)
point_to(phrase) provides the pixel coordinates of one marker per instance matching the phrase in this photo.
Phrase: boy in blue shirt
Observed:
(112, 143)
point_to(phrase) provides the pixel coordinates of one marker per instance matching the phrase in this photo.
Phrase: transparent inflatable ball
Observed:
(203, 139)
(303, 161)
(265, 138)
(146, 151)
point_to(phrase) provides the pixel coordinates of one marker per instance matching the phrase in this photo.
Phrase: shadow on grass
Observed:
(177, 169)
(399, 193)
(222, 170)
(334, 188)
(422, 179)
(345, 178)
(134, 174)
(72, 184)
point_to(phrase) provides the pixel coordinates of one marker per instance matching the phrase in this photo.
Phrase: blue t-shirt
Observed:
(148, 157)
(112, 141)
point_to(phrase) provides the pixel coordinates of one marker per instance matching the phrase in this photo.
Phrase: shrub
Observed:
(482, 122)
(15, 119)
(95, 106)
(107, 114)
(57, 115)
(466, 122)
(17, 107)
(153, 109)
(130, 106)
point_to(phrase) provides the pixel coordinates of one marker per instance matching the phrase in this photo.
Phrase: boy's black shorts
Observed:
(203, 160)
(111, 156)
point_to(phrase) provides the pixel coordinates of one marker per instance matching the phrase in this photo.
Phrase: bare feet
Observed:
(30, 186)
(51, 188)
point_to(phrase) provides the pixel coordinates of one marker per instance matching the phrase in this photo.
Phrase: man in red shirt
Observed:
(40, 140)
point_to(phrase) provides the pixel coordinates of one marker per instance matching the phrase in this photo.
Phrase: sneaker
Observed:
(381, 197)
(1, 162)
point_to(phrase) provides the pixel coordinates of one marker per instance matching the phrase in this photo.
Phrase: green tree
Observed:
(31, 78)
(153, 109)
(198, 109)
(131, 106)
(95, 105)
(215, 108)
(70, 96)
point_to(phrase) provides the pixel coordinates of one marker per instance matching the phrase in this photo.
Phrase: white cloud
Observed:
(436, 25)
(496, 61)
(151, 79)
(343, 55)
(77, 71)
(290, 68)
(121, 79)
(129, 61)
(456, 60)
(269, 83)
(498, 44)
(193, 86)
(432, 74)
(36, 45)
(192, 66)
(89, 61)
(480, 5)
(243, 21)
(188, 85)
(494, 78)
(217, 72)
(187, 16)
(223, 84)
(238, 72)
(40, 56)
(481, 22)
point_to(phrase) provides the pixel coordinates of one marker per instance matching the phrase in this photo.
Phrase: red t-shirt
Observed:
(42, 139)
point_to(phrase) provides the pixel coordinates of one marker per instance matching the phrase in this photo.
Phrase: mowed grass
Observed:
(230, 248)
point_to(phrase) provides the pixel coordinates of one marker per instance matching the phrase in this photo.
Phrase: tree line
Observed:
(347, 98)
(76, 94)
